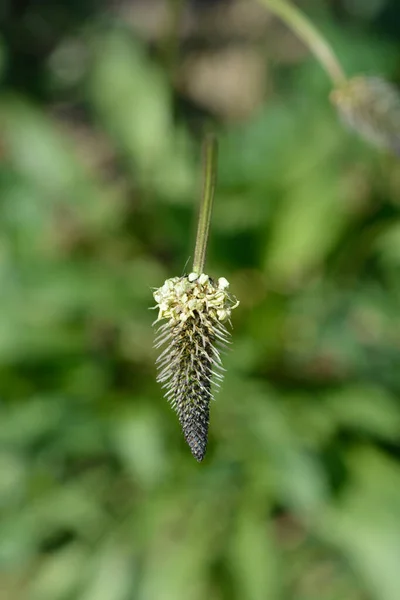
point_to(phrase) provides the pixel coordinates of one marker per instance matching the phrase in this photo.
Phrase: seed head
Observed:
(370, 106)
(196, 309)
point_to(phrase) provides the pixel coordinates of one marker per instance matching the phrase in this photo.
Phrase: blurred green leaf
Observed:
(366, 409)
(132, 97)
(253, 556)
(111, 574)
(365, 525)
(59, 575)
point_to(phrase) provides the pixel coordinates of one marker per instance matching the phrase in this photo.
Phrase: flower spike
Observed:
(371, 107)
(192, 314)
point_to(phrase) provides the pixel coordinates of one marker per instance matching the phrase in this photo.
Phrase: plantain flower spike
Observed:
(370, 106)
(193, 314)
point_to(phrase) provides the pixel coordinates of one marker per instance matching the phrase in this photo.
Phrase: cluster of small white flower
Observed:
(180, 297)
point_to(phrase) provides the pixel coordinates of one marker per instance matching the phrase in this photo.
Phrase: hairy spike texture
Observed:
(370, 106)
(196, 309)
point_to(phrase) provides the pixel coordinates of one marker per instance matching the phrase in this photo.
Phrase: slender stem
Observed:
(210, 151)
(310, 35)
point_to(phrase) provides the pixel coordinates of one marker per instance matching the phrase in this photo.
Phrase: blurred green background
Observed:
(102, 109)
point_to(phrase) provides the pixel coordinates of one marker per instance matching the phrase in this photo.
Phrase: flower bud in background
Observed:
(196, 309)
(370, 106)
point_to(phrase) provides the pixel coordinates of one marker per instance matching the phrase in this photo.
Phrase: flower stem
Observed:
(310, 35)
(210, 151)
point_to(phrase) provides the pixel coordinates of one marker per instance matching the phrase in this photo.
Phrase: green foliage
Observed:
(299, 495)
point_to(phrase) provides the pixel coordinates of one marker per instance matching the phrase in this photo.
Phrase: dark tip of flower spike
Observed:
(370, 106)
(190, 362)
(194, 422)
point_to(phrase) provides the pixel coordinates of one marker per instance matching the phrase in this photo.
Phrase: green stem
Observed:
(310, 35)
(210, 150)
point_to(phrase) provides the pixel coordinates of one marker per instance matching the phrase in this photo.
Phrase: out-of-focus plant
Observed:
(368, 105)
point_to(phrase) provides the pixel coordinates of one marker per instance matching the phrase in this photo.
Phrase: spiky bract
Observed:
(196, 309)
(370, 106)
